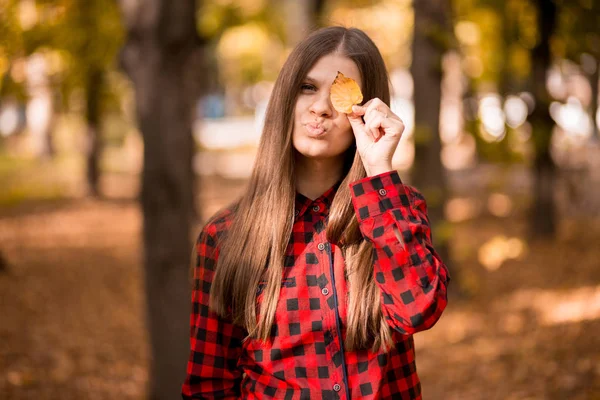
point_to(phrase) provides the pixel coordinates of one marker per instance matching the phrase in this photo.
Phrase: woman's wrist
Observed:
(378, 169)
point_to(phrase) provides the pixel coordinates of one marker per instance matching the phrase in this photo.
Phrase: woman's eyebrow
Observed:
(311, 79)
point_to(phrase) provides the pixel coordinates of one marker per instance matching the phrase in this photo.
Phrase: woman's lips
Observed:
(315, 129)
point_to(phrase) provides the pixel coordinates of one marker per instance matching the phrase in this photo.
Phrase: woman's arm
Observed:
(412, 277)
(216, 343)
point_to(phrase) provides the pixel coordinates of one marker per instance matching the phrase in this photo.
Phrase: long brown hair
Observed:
(254, 246)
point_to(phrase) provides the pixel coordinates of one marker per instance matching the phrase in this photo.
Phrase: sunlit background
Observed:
(525, 319)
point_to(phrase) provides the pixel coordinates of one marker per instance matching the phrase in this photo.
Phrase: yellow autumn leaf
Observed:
(344, 93)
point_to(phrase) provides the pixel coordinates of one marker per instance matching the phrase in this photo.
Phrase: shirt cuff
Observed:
(374, 195)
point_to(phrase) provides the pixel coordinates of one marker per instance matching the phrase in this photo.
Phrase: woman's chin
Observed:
(318, 154)
(319, 149)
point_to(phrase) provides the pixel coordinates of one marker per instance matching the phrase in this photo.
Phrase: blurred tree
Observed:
(11, 40)
(3, 263)
(92, 54)
(26, 76)
(76, 43)
(431, 40)
(160, 56)
(543, 210)
(243, 43)
(495, 38)
(578, 39)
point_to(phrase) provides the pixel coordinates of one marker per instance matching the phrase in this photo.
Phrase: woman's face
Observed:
(320, 132)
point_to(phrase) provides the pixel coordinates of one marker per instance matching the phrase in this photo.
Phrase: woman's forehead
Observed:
(326, 68)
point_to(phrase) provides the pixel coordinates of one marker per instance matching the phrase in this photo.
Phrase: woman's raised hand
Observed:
(378, 136)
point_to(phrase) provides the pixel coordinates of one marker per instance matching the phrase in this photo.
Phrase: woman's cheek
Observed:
(345, 129)
(344, 124)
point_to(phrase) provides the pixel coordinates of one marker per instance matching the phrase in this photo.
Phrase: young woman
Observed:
(313, 283)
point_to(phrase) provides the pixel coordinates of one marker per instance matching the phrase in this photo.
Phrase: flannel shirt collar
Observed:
(320, 205)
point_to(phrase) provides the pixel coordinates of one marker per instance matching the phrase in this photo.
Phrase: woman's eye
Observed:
(308, 87)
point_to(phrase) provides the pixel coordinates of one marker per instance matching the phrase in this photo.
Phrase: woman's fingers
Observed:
(356, 120)
(358, 110)
(358, 126)
(373, 128)
(373, 121)
(368, 103)
(375, 125)
(377, 117)
(377, 105)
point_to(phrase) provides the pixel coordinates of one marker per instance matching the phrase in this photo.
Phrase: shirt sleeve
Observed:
(412, 277)
(216, 343)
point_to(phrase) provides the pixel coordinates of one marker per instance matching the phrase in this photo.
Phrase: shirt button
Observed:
(316, 208)
(321, 246)
(337, 387)
(324, 291)
(296, 213)
(382, 192)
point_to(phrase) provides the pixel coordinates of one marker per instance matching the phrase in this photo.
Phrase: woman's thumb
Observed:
(355, 121)
(355, 117)
(358, 110)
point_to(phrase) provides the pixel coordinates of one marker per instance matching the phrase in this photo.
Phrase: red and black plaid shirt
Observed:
(305, 358)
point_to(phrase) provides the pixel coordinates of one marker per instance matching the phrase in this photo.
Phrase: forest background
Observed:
(125, 124)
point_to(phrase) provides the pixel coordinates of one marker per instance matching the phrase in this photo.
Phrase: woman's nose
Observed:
(322, 105)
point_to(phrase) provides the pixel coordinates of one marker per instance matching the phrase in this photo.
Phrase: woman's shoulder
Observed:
(219, 223)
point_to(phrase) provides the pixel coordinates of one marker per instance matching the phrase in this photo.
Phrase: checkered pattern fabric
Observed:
(305, 358)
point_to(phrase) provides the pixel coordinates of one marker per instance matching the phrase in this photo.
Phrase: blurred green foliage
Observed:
(578, 29)
(73, 36)
(496, 38)
(246, 42)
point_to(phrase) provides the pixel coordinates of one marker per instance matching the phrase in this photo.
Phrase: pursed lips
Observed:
(315, 128)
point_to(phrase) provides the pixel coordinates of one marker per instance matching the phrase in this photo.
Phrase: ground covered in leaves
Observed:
(72, 311)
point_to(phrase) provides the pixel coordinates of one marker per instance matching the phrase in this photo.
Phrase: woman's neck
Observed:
(314, 177)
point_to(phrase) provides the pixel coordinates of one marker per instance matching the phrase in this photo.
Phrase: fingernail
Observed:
(355, 108)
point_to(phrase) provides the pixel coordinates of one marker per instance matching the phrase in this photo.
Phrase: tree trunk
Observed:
(594, 77)
(543, 212)
(95, 82)
(160, 55)
(40, 107)
(428, 175)
(3, 264)
(505, 79)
